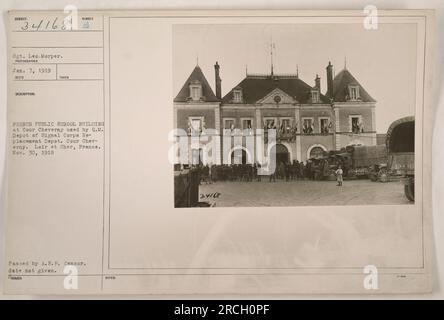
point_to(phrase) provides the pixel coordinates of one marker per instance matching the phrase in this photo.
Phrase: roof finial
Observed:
(297, 70)
(272, 46)
(246, 69)
(197, 60)
(345, 62)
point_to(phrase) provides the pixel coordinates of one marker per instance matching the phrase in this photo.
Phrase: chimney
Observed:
(318, 83)
(218, 81)
(330, 80)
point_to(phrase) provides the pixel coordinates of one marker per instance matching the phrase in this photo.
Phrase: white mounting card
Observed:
(219, 152)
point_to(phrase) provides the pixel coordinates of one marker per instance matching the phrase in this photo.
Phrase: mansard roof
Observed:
(256, 87)
(340, 87)
(207, 93)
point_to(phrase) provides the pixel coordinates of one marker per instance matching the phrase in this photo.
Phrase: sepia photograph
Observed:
(294, 115)
(234, 152)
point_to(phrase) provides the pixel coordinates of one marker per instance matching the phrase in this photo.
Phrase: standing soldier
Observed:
(273, 175)
(308, 170)
(302, 170)
(210, 174)
(297, 170)
(258, 176)
(282, 170)
(287, 171)
(293, 170)
(251, 172)
(339, 173)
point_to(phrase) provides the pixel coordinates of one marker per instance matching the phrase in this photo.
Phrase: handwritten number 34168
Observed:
(49, 24)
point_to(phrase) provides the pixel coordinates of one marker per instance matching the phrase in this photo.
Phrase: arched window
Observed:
(316, 151)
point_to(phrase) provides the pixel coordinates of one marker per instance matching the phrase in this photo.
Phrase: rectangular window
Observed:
(324, 125)
(237, 96)
(196, 92)
(247, 124)
(285, 125)
(356, 124)
(270, 124)
(354, 93)
(195, 125)
(308, 125)
(314, 96)
(229, 124)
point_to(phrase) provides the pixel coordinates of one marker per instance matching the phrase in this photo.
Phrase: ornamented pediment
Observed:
(277, 96)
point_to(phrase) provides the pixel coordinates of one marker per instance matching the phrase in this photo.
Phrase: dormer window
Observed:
(353, 92)
(237, 95)
(195, 90)
(315, 96)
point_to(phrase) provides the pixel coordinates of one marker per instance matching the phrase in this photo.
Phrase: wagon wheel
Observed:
(409, 190)
(383, 176)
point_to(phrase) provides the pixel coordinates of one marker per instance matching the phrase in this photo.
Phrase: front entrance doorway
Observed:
(239, 156)
(282, 154)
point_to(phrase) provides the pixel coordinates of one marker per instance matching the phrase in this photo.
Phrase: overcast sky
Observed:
(383, 60)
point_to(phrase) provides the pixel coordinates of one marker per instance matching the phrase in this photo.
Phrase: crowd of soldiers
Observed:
(287, 171)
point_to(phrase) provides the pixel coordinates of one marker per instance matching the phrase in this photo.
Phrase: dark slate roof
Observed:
(340, 87)
(255, 88)
(207, 92)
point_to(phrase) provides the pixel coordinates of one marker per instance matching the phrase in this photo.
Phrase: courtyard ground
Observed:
(302, 193)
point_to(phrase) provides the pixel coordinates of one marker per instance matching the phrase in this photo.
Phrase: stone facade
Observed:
(306, 121)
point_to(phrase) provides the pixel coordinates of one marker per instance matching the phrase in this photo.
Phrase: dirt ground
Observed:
(301, 193)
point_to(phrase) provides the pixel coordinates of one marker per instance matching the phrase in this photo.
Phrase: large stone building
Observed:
(307, 121)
